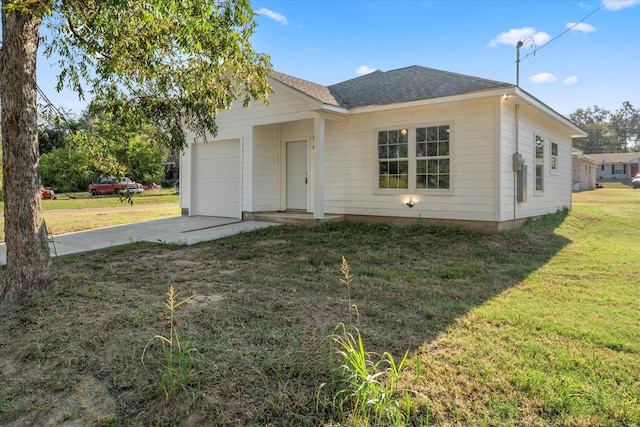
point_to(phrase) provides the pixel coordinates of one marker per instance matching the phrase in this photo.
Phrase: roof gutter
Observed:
(333, 109)
(432, 101)
(578, 132)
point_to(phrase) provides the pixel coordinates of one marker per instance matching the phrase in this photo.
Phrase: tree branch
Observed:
(84, 41)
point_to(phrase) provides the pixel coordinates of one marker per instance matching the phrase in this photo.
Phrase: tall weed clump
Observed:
(366, 390)
(178, 357)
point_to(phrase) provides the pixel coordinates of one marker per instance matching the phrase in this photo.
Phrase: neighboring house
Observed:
(407, 145)
(616, 165)
(584, 171)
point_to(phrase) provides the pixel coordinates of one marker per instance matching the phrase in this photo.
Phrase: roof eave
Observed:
(333, 109)
(577, 131)
(430, 101)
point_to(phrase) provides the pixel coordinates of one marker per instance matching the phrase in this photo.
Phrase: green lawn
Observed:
(537, 327)
(80, 211)
(561, 346)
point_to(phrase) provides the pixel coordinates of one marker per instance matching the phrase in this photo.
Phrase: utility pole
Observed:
(518, 46)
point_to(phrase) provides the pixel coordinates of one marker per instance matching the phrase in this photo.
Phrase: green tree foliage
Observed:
(169, 64)
(55, 133)
(608, 132)
(66, 169)
(594, 121)
(625, 125)
(100, 147)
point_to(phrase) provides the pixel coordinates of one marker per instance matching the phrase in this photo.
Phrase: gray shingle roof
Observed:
(390, 87)
(314, 90)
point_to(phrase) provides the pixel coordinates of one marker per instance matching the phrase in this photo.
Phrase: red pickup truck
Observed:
(111, 185)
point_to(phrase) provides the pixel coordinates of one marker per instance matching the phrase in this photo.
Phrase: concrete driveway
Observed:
(182, 229)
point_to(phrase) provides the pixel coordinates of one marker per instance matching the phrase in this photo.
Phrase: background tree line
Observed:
(617, 132)
(77, 151)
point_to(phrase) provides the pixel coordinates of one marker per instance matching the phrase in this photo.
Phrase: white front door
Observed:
(297, 175)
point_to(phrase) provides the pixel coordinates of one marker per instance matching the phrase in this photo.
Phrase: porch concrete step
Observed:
(298, 218)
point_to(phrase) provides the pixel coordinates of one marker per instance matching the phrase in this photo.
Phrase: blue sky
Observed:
(597, 62)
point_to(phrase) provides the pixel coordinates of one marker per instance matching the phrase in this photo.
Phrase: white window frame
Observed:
(539, 162)
(413, 161)
(554, 159)
(401, 133)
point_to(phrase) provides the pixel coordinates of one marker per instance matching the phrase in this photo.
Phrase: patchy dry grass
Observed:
(537, 326)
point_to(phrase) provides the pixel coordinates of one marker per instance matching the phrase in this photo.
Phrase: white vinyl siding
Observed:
(557, 185)
(351, 158)
(261, 179)
(481, 186)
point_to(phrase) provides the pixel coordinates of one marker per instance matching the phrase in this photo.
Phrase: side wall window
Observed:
(539, 163)
(554, 157)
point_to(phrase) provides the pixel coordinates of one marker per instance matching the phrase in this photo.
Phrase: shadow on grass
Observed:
(268, 301)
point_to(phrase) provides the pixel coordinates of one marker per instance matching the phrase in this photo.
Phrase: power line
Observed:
(48, 103)
(564, 32)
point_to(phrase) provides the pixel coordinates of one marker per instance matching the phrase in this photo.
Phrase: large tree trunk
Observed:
(28, 270)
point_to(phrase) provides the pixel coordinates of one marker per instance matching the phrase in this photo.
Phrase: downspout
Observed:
(241, 207)
(517, 141)
(515, 172)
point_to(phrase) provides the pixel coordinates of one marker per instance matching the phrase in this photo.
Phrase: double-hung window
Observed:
(393, 159)
(432, 158)
(539, 150)
(554, 157)
(415, 159)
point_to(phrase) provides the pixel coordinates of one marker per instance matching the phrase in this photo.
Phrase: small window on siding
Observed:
(539, 163)
(554, 157)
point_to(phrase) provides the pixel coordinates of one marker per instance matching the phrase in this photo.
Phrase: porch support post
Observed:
(318, 167)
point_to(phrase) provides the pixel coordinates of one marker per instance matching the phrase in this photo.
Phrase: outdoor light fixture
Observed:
(403, 131)
(410, 203)
(505, 96)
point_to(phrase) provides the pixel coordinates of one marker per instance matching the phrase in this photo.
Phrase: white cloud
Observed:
(619, 4)
(514, 35)
(573, 80)
(364, 69)
(585, 28)
(543, 78)
(273, 15)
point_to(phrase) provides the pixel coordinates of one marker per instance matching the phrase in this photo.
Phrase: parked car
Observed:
(635, 181)
(150, 186)
(48, 194)
(111, 185)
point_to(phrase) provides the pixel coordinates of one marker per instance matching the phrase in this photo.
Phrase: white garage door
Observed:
(217, 179)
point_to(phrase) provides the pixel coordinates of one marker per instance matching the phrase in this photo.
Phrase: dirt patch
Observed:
(204, 300)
